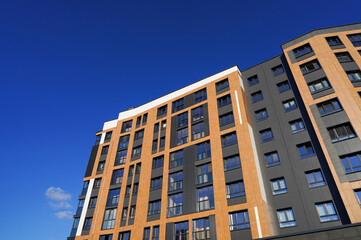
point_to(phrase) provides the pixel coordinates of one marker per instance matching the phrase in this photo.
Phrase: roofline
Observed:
(279, 55)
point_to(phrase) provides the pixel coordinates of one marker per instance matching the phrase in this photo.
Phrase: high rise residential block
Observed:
(270, 152)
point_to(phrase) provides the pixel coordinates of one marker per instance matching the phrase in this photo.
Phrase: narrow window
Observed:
(113, 197)
(183, 119)
(108, 136)
(175, 205)
(127, 126)
(197, 114)
(155, 233)
(201, 229)
(176, 159)
(198, 131)
(175, 181)
(205, 198)
(117, 177)
(109, 218)
(178, 105)
(203, 150)
(204, 173)
(182, 136)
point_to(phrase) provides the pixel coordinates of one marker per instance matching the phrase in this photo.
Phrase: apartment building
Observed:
(270, 152)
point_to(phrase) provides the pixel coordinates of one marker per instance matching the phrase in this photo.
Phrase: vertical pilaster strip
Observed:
(238, 108)
(258, 222)
(85, 207)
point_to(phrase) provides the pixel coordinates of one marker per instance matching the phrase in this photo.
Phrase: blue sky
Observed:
(68, 66)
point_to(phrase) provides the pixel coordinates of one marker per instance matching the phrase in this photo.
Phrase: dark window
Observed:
(329, 107)
(277, 70)
(121, 157)
(183, 119)
(162, 110)
(352, 162)
(163, 125)
(238, 220)
(278, 186)
(229, 139)
(113, 197)
(257, 96)
(162, 142)
(139, 120)
(181, 231)
(344, 57)
(154, 207)
(74, 228)
(85, 188)
(155, 145)
(272, 159)
(97, 139)
(146, 233)
(176, 159)
(205, 198)
(333, 41)
(200, 96)
(222, 85)
(297, 126)
(106, 237)
(123, 142)
(175, 181)
(315, 178)
(203, 150)
(145, 119)
(235, 189)
(261, 114)
(310, 66)
(354, 76)
(319, 85)
(93, 202)
(201, 229)
(80, 207)
(355, 39)
(182, 136)
(204, 173)
(138, 168)
(109, 218)
(341, 132)
(105, 150)
(283, 86)
(358, 195)
(326, 211)
(131, 170)
(137, 151)
(175, 205)
(101, 166)
(124, 235)
(266, 135)
(253, 80)
(155, 233)
(127, 126)
(232, 162)
(156, 128)
(286, 218)
(289, 105)
(178, 105)
(124, 214)
(305, 150)
(135, 189)
(117, 177)
(197, 113)
(139, 134)
(198, 131)
(88, 223)
(158, 162)
(226, 119)
(156, 183)
(304, 49)
(128, 190)
(108, 136)
(223, 101)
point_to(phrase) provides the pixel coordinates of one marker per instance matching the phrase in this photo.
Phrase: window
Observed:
(97, 183)
(109, 218)
(127, 126)
(154, 207)
(145, 119)
(283, 86)
(108, 136)
(355, 39)
(80, 207)
(156, 183)
(229, 139)
(226, 119)
(137, 151)
(277, 70)
(232, 162)
(121, 157)
(175, 181)
(354, 76)
(131, 170)
(197, 113)
(341, 132)
(124, 214)
(176, 159)
(117, 177)
(304, 49)
(93, 202)
(204, 173)
(178, 105)
(138, 168)
(135, 189)
(201, 229)
(310, 66)
(205, 198)
(297, 126)
(105, 150)
(261, 114)
(358, 195)
(155, 234)
(222, 85)
(257, 96)
(278, 186)
(181, 230)
(101, 166)
(319, 85)
(163, 125)
(305, 150)
(106, 237)
(329, 107)
(352, 163)
(203, 150)
(333, 41)
(74, 227)
(200, 96)
(286, 218)
(156, 128)
(326, 211)
(344, 57)
(85, 188)
(223, 101)
(315, 178)
(183, 119)
(253, 80)
(158, 162)
(146, 233)
(162, 142)
(128, 190)
(162, 110)
(272, 159)
(198, 131)
(182, 136)
(238, 220)
(123, 142)
(139, 134)
(266, 135)
(113, 197)
(139, 120)
(97, 139)
(289, 105)
(124, 235)
(155, 145)
(175, 205)
(132, 212)
(88, 223)
(235, 189)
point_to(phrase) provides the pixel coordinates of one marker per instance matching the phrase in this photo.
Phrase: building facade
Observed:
(271, 152)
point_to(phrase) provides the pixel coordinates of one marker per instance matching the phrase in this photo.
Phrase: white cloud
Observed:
(61, 204)
(64, 215)
(57, 194)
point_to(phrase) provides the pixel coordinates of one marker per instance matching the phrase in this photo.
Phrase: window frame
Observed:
(290, 220)
(327, 216)
(278, 186)
(239, 220)
(313, 178)
(234, 193)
